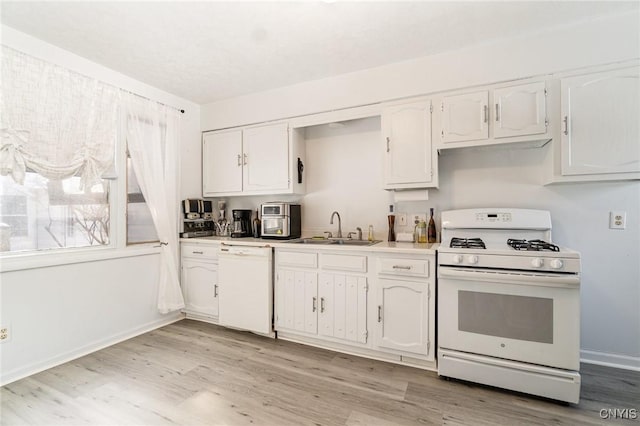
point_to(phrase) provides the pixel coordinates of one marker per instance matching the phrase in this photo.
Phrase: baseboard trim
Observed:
(610, 360)
(7, 377)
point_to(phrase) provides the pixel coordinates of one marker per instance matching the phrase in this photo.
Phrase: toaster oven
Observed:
(281, 220)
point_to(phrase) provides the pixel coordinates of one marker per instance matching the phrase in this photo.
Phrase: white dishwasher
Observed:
(245, 280)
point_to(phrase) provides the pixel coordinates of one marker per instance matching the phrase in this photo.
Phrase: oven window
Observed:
(501, 315)
(272, 226)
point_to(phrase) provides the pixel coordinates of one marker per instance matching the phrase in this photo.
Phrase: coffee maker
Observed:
(241, 226)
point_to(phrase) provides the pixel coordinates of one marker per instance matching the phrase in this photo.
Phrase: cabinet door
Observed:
(325, 293)
(296, 300)
(403, 315)
(221, 162)
(600, 129)
(407, 143)
(200, 287)
(343, 307)
(266, 158)
(520, 110)
(465, 117)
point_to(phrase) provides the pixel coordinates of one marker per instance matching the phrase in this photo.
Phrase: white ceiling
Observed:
(207, 51)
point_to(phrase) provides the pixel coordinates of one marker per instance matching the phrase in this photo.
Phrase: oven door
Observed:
(521, 316)
(275, 226)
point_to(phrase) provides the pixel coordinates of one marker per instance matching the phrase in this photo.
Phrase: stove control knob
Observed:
(537, 262)
(556, 263)
(473, 259)
(457, 258)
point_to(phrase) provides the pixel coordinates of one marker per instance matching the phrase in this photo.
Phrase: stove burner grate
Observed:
(474, 243)
(532, 245)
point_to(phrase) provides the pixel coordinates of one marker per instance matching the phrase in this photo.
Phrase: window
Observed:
(140, 227)
(50, 214)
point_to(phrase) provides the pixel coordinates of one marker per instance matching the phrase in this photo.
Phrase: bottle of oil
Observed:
(431, 229)
(392, 220)
(257, 225)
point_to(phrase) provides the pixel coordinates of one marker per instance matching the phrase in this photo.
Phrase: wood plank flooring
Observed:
(193, 373)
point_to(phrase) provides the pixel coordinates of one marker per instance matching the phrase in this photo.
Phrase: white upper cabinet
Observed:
(249, 161)
(498, 115)
(266, 158)
(406, 132)
(465, 117)
(519, 110)
(600, 131)
(222, 162)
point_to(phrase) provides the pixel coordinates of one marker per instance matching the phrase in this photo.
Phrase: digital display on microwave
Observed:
(275, 210)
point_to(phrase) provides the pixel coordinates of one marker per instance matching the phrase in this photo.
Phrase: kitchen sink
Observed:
(318, 241)
(335, 241)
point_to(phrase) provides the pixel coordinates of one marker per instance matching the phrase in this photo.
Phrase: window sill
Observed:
(24, 261)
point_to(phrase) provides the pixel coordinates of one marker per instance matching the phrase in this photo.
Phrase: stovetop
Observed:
(503, 238)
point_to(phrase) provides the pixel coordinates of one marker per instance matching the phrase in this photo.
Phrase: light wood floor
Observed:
(196, 373)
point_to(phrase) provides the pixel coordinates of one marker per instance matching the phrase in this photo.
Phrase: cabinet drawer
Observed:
(344, 262)
(294, 258)
(200, 252)
(400, 266)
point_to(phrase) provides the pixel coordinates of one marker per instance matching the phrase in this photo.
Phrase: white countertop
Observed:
(384, 246)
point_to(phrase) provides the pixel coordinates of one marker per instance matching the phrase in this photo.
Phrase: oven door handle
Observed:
(523, 278)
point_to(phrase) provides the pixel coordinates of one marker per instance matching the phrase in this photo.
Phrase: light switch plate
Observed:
(402, 219)
(617, 220)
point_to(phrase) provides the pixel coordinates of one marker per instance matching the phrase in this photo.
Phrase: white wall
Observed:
(56, 314)
(61, 312)
(599, 42)
(476, 178)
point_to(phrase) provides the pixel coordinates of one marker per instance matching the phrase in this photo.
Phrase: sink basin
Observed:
(356, 242)
(336, 241)
(313, 241)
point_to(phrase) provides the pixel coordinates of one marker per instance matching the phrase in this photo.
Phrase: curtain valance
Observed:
(53, 121)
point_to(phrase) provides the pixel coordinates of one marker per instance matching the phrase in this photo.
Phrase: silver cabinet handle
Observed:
(408, 268)
(388, 142)
(566, 125)
(239, 160)
(486, 113)
(315, 304)
(321, 304)
(215, 290)
(379, 313)
(497, 112)
(197, 252)
(244, 159)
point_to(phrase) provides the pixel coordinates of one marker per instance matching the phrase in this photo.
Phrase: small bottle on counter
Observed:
(392, 222)
(370, 233)
(431, 229)
(257, 225)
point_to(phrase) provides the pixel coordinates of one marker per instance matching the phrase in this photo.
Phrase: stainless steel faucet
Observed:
(339, 223)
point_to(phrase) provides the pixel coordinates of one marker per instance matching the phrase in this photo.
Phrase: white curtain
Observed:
(54, 121)
(152, 141)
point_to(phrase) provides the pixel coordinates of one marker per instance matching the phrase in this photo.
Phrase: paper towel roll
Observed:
(411, 195)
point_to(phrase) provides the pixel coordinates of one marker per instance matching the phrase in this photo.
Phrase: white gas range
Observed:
(508, 303)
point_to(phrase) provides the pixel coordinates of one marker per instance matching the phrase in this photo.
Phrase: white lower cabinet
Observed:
(343, 307)
(403, 316)
(297, 300)
(405, 305)
(323, 304)
(200, 287)
(199, 280)
(322, 298)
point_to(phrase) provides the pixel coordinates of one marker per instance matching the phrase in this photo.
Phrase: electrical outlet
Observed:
(617, 220)
(4, 334)
(418, 217)
(402, 219)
